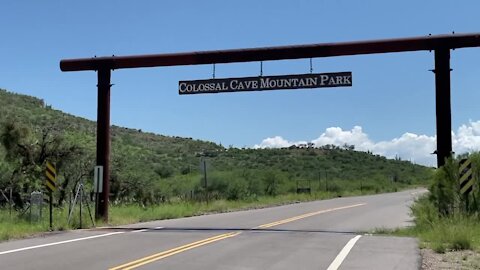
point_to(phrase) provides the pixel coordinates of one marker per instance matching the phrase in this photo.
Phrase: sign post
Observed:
(51, 184)
(203, 168)
(205, 173)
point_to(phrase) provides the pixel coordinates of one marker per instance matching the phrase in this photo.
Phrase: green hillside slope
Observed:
(149, 168)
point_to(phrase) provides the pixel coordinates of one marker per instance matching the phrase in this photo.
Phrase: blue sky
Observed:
(392, 94)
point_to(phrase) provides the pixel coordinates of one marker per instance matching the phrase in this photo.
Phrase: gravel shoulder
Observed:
(464, 260)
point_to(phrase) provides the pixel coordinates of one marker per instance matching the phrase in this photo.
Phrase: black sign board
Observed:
(261, 83)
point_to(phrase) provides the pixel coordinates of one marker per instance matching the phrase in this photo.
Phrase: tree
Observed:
(75, 168)
(18, 153)
(27, 152)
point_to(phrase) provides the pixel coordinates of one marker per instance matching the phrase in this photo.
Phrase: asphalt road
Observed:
(329, 234)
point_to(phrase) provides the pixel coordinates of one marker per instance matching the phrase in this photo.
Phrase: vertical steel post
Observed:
(51, 209)
(10, 201)
(319, 181)
(326, 181)
(205, 177)
(103, 138)
(81, 202)
(205, 173)
(443, 107)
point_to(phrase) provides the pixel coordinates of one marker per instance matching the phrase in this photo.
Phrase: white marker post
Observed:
(98, 179)
(97, 186)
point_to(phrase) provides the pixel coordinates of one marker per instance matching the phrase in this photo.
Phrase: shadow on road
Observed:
(203, 229)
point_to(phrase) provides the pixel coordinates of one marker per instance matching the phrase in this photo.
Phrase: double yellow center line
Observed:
(161, 255)
(171, 252)
(280, 222)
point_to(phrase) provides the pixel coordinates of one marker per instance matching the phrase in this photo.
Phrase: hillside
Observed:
(151, 168)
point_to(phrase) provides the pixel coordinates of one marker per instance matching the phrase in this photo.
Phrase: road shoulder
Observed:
(384, 252)
(464, 259)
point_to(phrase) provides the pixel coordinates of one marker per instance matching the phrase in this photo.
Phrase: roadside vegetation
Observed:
(443, 220)
(156, 177)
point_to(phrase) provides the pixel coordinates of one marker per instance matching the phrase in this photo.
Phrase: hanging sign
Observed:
(285, 82)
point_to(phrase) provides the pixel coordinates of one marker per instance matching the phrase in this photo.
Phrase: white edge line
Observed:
(59, 243)
(141, 230)
(343, 254)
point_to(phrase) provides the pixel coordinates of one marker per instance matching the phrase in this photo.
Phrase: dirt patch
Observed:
(464, 260)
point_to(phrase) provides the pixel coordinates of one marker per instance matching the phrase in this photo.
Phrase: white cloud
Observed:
(409, 146)
(274, 142)
(337, 136)
(467, 138)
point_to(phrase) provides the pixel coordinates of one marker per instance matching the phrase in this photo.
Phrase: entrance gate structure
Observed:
(440, 44)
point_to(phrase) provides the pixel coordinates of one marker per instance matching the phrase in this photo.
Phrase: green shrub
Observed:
(164, 171)
(461, 242)
(237, 190)
(255, 186)
(439, 247)
(271, 183)
(334, 187)
(458, 231)
(425, 213)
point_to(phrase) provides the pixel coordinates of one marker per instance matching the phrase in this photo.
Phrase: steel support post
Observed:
(443, 107)
(103, 139)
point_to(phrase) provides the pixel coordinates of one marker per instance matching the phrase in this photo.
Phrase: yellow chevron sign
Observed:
(51, 174)
(466, 176)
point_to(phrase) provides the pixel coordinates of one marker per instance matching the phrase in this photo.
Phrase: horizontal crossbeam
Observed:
(451, 41)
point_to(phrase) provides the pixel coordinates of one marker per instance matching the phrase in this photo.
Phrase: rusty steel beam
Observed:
(451, 41)
(443, 106)
(103, 140)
